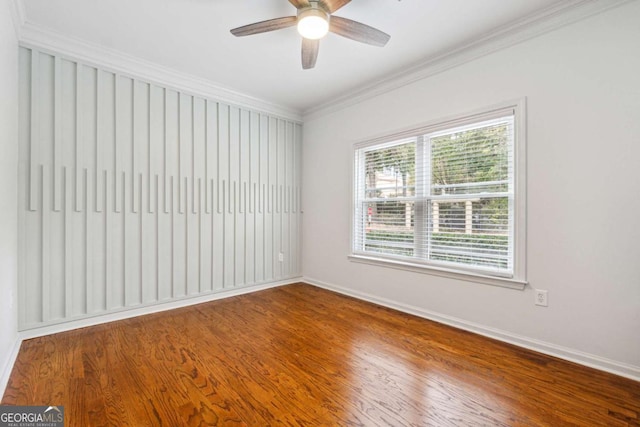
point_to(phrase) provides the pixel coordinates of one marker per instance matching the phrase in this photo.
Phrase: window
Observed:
(447, 197)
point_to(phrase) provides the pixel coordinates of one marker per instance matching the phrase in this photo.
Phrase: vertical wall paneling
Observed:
(241, 211)
(254, 133)
(57, 139)
(24, 173)
(269, 197)
(262, 155)
(44, 250)
(165, 158)
(137, 193)
(99, 159)
(213, 134)
(30, 71)
(78, 156)
(68, 258)
(280, 173)
(297, 179)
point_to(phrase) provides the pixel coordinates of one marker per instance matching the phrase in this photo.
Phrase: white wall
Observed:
(583, 89)
(8, 188)
(134, 194)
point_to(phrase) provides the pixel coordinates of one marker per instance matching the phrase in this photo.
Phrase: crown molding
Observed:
(554, 17)
(34, 36)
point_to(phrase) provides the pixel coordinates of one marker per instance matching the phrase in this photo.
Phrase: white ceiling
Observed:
(192, 36)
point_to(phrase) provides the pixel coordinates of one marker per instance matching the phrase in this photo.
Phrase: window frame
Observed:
(517, 280)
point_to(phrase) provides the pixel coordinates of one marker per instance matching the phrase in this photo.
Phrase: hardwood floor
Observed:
(302, 356)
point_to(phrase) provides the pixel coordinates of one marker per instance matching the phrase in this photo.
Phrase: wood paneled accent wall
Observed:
(133, 193)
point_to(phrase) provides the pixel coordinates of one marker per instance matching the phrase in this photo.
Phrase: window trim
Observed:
(515, 281)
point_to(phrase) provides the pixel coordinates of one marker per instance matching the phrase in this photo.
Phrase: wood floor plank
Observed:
(298, 355)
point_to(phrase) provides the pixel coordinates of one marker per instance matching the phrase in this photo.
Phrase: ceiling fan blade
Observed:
(299, 3)
(333, 5)
(265, 26)
(309, 53)
(357, 31)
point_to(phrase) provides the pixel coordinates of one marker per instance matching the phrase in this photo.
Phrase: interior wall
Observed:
(583, 99)
(8, 187)
(133, 193)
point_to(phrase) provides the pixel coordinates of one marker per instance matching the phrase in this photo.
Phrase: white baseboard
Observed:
(590, 360)
(572, 355)
(6, 373)
(127, 313)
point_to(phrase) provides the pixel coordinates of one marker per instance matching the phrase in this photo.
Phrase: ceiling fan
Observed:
(314, 20)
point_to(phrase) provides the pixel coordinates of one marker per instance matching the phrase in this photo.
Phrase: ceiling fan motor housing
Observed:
(313, 21)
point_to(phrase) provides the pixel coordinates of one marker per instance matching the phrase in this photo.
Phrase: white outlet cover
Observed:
(541, 298)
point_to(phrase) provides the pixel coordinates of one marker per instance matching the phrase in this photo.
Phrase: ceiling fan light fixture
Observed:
(314, 20)
(313, 23)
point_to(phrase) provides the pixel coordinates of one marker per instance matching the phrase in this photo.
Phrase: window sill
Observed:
(442, 272)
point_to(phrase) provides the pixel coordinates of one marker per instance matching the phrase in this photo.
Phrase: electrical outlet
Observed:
(281, 257)
(541, 298)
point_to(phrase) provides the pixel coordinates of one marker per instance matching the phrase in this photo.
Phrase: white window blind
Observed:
(444, 196)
